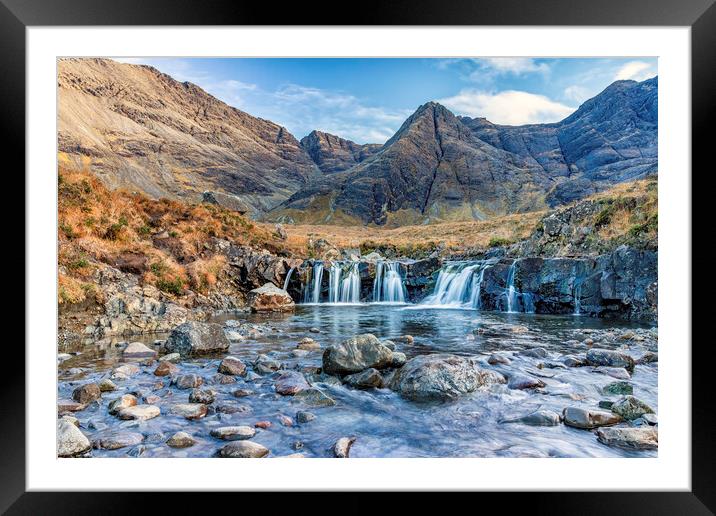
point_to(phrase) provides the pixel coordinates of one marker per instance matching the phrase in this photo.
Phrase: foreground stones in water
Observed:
(523, 381)
(139, 412)
(631, 408)
(69, 406)
(117, 440)
(189, 411)
(588, 419)
(609, 358)
(540, 418)
(356, 354)
(266, 365)
(436, 377)
(243, 450)
(618, 388)
(188, 381)
(233, 433)
(124, 371)
(181, 440)
(197, 338)
(308, 344)
(123, 402)
(628, 438)
(205, 396)
(86, 393)
(342, 448)
(165, 369)
(232, 366)
(269, 298)
(290, 383)
(314, 397)
(171, 357)
(303, 416)
(368, 379)
(138, 350)
(399, 359)
(107, 385)
(70, 440)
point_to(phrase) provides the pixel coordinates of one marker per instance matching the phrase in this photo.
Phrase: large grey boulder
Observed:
(356, 354)
(588, 419)
(630, 438)
(270, 298)
(631, 408)
(70, 440)
(436, 377)
(609, 358)
(197, 338)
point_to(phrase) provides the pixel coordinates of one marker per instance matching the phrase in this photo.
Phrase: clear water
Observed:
(384, 424)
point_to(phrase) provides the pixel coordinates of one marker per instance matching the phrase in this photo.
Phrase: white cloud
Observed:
(635, 70)
(577, 94)
(513, 65)
(507, 107)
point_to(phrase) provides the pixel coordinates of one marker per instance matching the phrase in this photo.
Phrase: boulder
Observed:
(233, 433)
(270, 298)
(290, 383)
(303, 416)
(356, 354)
(243, 450)
(522, 381)
(205, 396)
(232, 366)
(123, 402)
(188, 381)
(631, 408)
(436, 377)
(190, 411)
(197, 338)
(107, 385)
(587, 419)
(629, 438)
(609, 358)
(138, 350)
(139, 412)
(124, 371)
(308, 344)
(70, 440)
(117, 440)
(314, 397)
(165, 369)
(181, 440)
(342, 447)
(618, 388)
(266, 365)
(366, 379)
(86, 393)
(398, 360)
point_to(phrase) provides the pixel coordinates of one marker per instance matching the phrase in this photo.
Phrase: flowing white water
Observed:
(388, 286)
(350, 285)
(577, 297)
(288, 278)
(452, 285)
(334, 282)
(477, 287)
(312, 291)
(511, 291)
(378, 281)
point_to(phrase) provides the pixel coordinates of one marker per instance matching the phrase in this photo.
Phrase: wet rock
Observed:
(285, 420)
(605, 404)
(290, 383)
(171, 357)
(205, 396)
(86, 393)
(650, 419)
(388, 344)
(342, 447)
(314, 397)
(523, 381)
(436, 377)
(124, 371)
(107, 385)
(223, 379)
(243, 450)
(269, 298)
(490, 377)
(242, 393)
(588, 419)
(263, 424)
(398, 360)
(534, 353)
(367, 379)
(495, 359)
(151, 399)
(69, 406)
(615, 372)
(190, 411)
(188, 381)
(232, 408)
(640, 438)
(404, 339)
(647, 358)
(70, 440)
(181, 440)
(117, 440)
(232, 366)
(609, 358)
(572, 361)
(356, 354)
(538, 418)
(618, 388)
(165, 369)
(308, 344)
(266, 365)
(233, 433)
(630, 408)
(138, 350)
(139, 412)
(71, 419)
(197, 338)
(123, 402)
(314, 330)
(303, 416)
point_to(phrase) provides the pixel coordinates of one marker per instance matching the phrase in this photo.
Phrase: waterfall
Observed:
(312, 292)
(350, 285)
(511, 292)
(288, 278)
(388, 285)
(452, 284)
(334, 282)
(577, 294)
(477, 288)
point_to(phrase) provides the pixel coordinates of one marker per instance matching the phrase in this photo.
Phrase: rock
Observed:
(388, 344)
(356, 354)
(605, 404)
(539, 418)
(609, 358)
(171, 357)
(285, 420)
(342, 447)
(70, 440)
(124, 371)
(107, 385)
(615, 372)
(303, 416)
(197, 338)
(205, 396)
(587, 419)
(495, 359)
(618, 388)
(647, 358)
(139, 412)
(263, 424)
(650, 419)
(165, 369)
(630, 408)
(534, 353)
(123, 402)
(117, 440)
(152, 399)
(572, 361)
(266, 365)
(436, 377)
(490, 377)
(404, 339)
(269, 298)
(223, 379)
(181, 440)
(242, 393)
(69, 406)
(232, 366)
(233, 433)
(190, 411)
(314, 330)
(243, 450)
(314, 397)
(523, 381)
(641, 438)
(290, 382)
(188, 381)
(398, 360)
(138, 350)
(308, 344)
(71, 419)
(367, 379)
(86, 393)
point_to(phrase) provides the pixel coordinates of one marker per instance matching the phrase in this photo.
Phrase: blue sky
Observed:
(366, 100)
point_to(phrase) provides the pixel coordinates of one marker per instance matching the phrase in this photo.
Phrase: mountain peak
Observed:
(332, 153)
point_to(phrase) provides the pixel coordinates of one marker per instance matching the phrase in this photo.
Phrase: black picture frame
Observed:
(699, 15)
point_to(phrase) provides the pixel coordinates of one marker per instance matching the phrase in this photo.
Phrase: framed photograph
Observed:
(451, 244)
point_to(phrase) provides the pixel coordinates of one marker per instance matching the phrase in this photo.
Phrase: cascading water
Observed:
(334, 282)
(350, 286)
(511, 292)
(312, 290)
(388, 286)
(477, 288)
(288, 277)
(452, 285)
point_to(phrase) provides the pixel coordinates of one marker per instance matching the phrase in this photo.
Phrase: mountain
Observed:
(142, 130)
(442, 167)
(333, 154)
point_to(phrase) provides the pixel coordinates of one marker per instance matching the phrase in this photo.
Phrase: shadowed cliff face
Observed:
(333, 154)
(143, 130)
